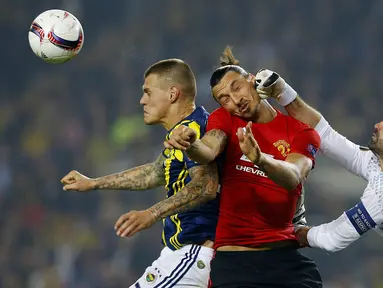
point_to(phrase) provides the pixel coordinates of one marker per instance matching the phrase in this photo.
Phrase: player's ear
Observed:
(174, 94)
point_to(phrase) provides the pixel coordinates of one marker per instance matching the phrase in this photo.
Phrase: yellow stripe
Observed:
(183, 179)
(177, 221)
(196, 127)
(180, 183)
(168, 163)
(163, 233)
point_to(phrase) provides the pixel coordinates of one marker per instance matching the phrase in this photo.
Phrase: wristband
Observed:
(287, 96)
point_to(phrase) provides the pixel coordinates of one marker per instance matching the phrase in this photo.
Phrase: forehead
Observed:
(225, 82)
(151, 81)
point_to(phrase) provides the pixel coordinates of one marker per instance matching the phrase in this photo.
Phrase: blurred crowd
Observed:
(85, 115)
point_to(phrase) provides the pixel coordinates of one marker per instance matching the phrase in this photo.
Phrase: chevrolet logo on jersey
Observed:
(244, 158)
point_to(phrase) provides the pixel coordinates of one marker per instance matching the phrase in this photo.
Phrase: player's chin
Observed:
(372, 143)
(149, 120)
(246, 115)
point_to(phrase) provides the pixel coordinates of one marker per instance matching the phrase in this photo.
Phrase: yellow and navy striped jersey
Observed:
(194, 226)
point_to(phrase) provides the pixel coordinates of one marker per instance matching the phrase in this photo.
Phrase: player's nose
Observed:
(142, 101)
(237, 100)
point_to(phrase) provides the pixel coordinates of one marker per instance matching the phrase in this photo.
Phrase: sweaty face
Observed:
(155, 100)
(376, 142)
(237, 95)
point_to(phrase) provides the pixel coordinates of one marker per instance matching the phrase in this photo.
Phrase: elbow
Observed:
(292, 184)
(329, 247)
(294, 180)
(211, 190)
(203, 161)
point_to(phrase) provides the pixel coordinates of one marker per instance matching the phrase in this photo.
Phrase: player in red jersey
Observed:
(264, 157)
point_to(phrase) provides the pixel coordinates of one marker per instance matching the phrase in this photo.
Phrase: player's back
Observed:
(198, 225)
(253, 209)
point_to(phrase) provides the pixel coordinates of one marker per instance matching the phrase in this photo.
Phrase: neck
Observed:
(266, 112)
(177, 113)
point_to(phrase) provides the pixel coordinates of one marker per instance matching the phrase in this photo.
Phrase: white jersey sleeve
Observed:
(348, 154)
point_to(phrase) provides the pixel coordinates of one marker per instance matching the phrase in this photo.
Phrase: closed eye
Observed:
(224, 99)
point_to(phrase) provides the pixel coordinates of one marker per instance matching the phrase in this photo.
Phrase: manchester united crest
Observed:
(283, 147)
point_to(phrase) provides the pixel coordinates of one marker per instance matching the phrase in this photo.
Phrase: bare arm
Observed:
(139, 178)
(301, 111)
(333, 144)
(202, 187)
(208, 147)
(288, 173)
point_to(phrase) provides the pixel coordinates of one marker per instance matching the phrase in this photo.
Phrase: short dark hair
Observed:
(228, 63)
(176, 71)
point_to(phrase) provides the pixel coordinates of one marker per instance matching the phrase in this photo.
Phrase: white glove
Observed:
(269, 84)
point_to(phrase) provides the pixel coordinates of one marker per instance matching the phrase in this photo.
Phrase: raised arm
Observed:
(202, 187)
(139, 178)
(333, 145)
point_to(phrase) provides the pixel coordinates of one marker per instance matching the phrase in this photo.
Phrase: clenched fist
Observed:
(181, 138)
(75, 181)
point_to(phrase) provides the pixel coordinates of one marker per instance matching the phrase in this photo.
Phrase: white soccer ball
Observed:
(56, 36)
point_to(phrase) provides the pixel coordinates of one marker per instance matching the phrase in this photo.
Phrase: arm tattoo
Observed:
(215, 136)
(202, 187)
(139, 178)
(209, 147)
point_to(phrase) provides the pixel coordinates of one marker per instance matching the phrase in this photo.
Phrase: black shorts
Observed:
(277, 268)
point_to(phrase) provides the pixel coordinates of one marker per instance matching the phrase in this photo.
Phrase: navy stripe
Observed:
(180, 266)
(61, 42)
(185, 270)
(137, 285)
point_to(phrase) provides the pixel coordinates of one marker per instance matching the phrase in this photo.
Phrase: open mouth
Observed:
(244, 108)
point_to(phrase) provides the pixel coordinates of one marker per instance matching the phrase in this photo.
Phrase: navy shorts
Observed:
(280, 268)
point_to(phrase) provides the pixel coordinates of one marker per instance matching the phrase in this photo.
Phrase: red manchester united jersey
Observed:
(253, 209)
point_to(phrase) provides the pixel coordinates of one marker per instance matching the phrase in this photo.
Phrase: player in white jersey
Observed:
(362, 161)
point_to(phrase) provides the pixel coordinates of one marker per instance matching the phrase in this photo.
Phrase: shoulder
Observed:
(220, 119)
(219, 113)
(364, 148)
(298, 127)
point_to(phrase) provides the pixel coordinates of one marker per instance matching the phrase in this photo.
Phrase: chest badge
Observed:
(283, 147)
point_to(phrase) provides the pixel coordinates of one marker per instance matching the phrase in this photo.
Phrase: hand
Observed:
(181, 138)
(134, 221)
(249, 145)
(75, 181)
(269, 84)
(301, 235)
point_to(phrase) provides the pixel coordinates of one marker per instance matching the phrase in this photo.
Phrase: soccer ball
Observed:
(56, 36)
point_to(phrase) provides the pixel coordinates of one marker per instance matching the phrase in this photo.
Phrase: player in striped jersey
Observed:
(190, 211)
(362, 161)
